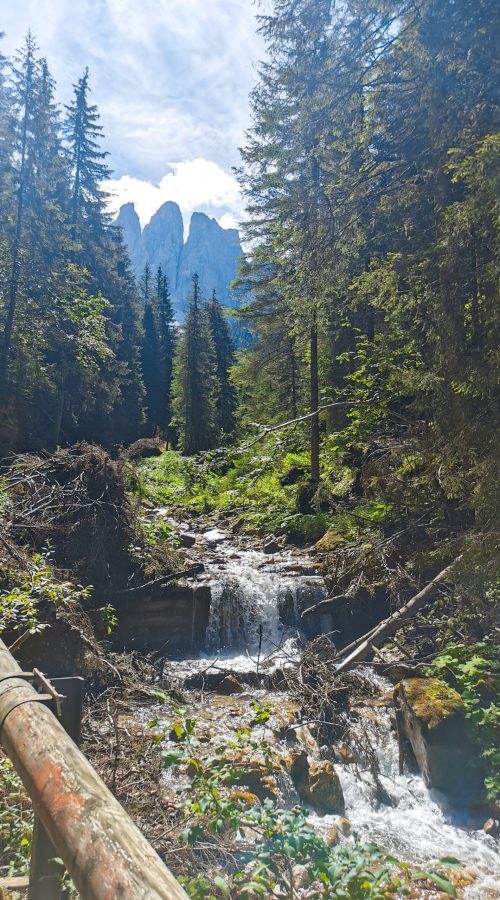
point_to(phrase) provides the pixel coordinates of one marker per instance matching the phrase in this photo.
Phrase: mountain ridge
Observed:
(211, 251)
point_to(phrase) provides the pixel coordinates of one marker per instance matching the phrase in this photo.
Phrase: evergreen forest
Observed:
(342, 420)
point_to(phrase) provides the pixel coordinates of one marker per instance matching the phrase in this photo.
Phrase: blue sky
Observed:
(171, 79)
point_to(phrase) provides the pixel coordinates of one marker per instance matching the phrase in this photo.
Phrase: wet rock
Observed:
(316, 783)
(492, 827)
(306, 739)
(324, 788)
(341, 828)
(213, 537)
(431, 717)
(272, 546)
(345, 755)
(253, 774)
(348, 616)
(229, 685)
(345, 826)
(332, 836)
(187, 540)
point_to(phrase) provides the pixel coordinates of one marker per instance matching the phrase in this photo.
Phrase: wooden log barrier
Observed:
(105, 854)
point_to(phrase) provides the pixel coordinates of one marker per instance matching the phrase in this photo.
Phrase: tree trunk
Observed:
(14, 278)
(314, 404)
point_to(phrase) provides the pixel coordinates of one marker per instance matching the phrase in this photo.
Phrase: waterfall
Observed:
(252, 598)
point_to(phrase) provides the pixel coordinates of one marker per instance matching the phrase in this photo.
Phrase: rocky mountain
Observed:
(211, 251)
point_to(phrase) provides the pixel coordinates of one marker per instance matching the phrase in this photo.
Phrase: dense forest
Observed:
(356, 414)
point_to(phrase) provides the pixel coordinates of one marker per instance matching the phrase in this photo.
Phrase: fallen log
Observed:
(366, 644)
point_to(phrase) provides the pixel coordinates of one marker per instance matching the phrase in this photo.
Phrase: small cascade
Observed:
(256, 601)
(255, 604)
(412, 822)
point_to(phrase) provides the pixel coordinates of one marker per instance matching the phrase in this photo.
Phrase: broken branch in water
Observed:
(366, 644)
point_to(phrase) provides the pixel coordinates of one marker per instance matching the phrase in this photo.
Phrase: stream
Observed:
(256, 597)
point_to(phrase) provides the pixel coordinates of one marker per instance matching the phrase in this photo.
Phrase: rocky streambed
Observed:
(231, 636)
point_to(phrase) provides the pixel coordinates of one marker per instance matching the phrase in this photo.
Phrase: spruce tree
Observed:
(194, 387)
(24, 98)
(146, 284)
(88, 200)
(167, 344)
(224, 355)
(151, 357)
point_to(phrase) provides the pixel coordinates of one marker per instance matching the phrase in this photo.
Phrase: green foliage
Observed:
(245, 484)
(20, 602)
(16, 823)
(473, 670)
(282, 838)
(194, 382)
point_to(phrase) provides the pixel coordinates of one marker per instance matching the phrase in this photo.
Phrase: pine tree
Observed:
(117, 412)
(24, 96)
(146, 284)
(194, 387)
(224, 355)
(88, 168)
(151, 357)
(167, 344)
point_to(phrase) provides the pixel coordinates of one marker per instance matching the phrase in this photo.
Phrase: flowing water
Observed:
(256, 600)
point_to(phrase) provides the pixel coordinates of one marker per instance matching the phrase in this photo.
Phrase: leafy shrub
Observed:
(282, 838)
(475, 672)
(20, 602)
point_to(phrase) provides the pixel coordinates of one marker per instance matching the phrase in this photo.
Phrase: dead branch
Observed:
(364, 645)
(269, 429)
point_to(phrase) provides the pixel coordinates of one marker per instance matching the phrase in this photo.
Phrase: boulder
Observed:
(430, 716)
(317, 783)
(229, 685)
(187, 540)
(324, 788)
(271, 547)
(492, 827)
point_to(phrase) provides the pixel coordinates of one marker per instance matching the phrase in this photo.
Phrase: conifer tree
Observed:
(151, 357)
(146, 284)
(194, 387)
(24, 96)
(88, 168)
(167, 344)
(224, 355)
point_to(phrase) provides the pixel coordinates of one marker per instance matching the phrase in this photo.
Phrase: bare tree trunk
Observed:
(14, 277)
(315, 468)
(386, 628)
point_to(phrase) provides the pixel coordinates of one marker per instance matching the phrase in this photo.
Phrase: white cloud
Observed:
(197, 184)
(171, 78)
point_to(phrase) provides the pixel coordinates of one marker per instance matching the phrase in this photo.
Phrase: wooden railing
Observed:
(103, 851)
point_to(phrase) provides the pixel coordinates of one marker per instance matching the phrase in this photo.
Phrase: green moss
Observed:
(330, 541)
(431, 700)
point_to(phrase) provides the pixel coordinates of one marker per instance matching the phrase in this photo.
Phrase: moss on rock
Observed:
(431, 700)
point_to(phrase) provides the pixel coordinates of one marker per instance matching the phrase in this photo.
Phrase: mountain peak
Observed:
(210, 250)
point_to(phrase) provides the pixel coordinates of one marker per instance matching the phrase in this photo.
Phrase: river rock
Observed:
(229, 685)
(492, 827)
(271, 547)
(431, 716)
(317, 783)
(342, 827)
(187, 540)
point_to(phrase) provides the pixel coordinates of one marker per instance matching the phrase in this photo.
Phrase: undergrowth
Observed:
(271, 847)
